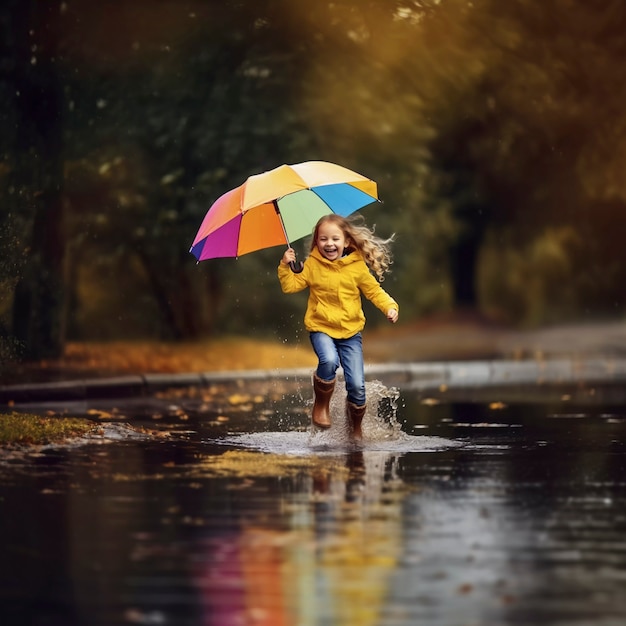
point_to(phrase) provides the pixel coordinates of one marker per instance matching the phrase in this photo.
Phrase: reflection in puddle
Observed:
(244, 463)
(330, 564)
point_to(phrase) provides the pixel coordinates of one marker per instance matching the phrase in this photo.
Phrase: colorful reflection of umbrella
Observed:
(280, 206)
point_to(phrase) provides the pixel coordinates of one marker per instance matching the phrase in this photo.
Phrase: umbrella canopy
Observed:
(280, 206)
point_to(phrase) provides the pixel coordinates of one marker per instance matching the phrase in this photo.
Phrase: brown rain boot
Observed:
(321, 408)
(355, 416)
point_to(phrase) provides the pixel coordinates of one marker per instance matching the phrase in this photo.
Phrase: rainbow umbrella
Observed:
(278, 207)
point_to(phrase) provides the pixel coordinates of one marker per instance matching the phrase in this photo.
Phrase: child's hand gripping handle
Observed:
(289, 258)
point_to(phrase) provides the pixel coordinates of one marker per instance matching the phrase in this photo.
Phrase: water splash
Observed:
(379, 422)
(381, 430)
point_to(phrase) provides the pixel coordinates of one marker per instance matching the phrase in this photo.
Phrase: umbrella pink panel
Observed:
(220, 243)
(224, 209)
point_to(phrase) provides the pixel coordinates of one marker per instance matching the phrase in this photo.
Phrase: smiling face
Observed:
(331, 241)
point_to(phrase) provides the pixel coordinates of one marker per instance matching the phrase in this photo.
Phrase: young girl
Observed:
(338, 270)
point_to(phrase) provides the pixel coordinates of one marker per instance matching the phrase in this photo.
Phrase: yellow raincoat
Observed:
(335, 289)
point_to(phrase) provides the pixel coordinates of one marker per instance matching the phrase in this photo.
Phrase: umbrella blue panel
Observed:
(197, 249)
(343, 198)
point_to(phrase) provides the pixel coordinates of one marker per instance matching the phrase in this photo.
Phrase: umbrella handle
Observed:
(296, 266)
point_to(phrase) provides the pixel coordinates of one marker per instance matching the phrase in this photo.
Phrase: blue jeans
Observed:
(331, 353)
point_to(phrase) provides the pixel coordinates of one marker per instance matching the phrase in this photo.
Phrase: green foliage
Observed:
(520, 105)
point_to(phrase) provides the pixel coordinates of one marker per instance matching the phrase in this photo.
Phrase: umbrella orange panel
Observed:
(260, 228)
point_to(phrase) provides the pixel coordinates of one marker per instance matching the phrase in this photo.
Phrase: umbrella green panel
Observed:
(301, 211)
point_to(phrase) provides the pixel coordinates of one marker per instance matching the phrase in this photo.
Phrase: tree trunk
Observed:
(463, 258)
(464, 255)
(39, 300)
(188, 299)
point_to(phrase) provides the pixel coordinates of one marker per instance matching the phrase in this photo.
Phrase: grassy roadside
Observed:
(92, 360)
(17, 429)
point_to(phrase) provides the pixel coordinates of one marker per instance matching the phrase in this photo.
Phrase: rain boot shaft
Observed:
(321, 408)
(355, 417)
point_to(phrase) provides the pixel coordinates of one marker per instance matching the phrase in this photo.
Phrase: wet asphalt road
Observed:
(464, 507)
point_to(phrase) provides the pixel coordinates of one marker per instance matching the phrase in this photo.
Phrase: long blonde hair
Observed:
(375, 250)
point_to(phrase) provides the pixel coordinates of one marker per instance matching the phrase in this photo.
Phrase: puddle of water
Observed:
(489, 512)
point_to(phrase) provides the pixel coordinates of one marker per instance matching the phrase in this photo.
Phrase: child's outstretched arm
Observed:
(372, 290)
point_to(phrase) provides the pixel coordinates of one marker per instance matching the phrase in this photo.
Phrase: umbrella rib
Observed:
(280, 219)
(312, 190)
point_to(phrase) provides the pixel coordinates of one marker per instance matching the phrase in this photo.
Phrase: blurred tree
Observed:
(215, 107)
(37, 174)
(520, 122)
